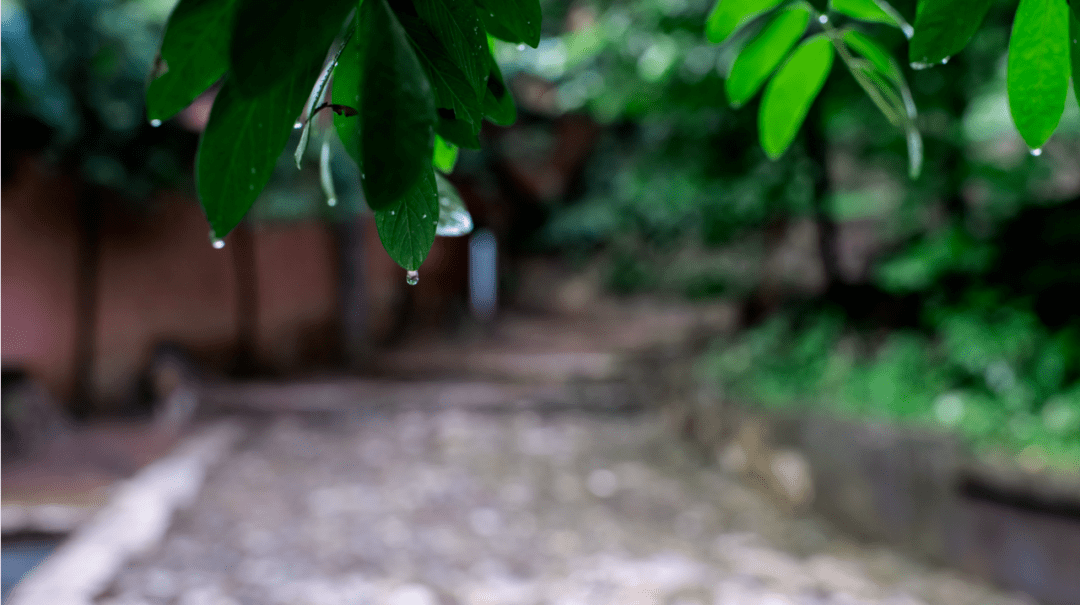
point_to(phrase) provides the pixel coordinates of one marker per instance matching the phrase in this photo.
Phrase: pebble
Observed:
(462, 508)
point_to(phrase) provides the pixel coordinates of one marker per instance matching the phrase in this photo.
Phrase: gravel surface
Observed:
(467, 508)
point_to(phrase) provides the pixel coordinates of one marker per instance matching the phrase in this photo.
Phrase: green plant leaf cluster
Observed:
(789, 48)
(410, 80)
(1039, 63)
(1042, 55)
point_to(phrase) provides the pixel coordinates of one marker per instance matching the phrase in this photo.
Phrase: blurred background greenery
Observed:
(949, 300)
(960, 309)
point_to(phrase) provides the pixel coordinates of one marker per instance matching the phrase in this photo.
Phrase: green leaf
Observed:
(445, 156)
(498, 103)
(872, 11)
(873, 52)
(194, 54)
(457, 25)
(397, 112)
(407, 226)
(880, 76)
(317, 95)
(346, 91)
(790, 93)
(729, 15)
(1038, 68)
(458, 132)
(455, 96)
(760, 57)
(241, 145)
(272, 41)
(943, 28)
(1074, 45)
(326, 174)
(514, 21)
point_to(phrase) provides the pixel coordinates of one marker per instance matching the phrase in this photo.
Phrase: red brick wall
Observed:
(159, 281)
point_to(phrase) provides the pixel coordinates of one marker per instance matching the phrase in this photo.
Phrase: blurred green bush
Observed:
(992, 373)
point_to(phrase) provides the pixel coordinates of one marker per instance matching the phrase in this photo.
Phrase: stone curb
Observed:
(133, 522)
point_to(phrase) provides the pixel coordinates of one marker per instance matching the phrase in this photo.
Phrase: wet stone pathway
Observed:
(468, 508)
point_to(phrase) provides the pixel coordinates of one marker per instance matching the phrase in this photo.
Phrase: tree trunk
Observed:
(349, 240)
(87, 269)
(247, 302)
(818, 152)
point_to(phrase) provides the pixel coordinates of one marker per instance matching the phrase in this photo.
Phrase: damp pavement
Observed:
(454, 506)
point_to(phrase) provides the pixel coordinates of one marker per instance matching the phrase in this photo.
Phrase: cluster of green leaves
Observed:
(993, 374)
(788, 47)
(409, 80)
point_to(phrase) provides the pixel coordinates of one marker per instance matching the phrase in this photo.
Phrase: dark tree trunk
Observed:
(86, 300)
(247, 301)
(817, 151)
(349, 240)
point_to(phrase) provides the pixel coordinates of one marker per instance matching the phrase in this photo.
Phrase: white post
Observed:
(483, 275)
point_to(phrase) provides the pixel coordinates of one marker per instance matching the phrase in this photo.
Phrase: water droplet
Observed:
(412, 277)
(331, 201)
(393, 212)
(1036, 152)
(424, 216)
(823, 19)
(945, 60)
(216, 241)
(298, 125)
(521, 47)
(155, 122)
(919, 65)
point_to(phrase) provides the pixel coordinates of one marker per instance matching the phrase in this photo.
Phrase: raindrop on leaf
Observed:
(155, 122)
(1036, 152)
(823, 19)
(412, 277)
(216, 241)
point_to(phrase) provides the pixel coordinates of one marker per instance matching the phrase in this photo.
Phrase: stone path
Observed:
(475, 508)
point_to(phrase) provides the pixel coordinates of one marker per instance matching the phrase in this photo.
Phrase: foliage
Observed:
(418, 68)
(71, 75)
(402, 73)
(1039, 59)
(982, 248)
(990, 372)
